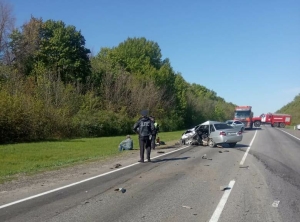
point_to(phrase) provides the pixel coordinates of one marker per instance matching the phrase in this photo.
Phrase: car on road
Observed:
(236, 124)
(220, 133)
(298, 127)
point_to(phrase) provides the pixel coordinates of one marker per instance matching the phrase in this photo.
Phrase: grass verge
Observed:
(31, 158)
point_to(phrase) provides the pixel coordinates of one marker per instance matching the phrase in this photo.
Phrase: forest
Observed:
(53, 87)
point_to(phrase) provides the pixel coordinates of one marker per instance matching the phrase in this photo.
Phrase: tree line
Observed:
(52, 87)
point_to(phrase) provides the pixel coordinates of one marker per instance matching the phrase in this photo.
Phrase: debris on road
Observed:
(275, 203)
(223, 188)
(220, 151)
(188, 207)
(247, 167)
(160, 151)
(226, 151)
(204, 156)
(123, 190)
(117, 165)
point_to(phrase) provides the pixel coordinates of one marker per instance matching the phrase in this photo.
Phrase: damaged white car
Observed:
(212, 133)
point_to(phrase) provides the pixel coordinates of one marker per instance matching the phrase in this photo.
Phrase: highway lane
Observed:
(184, 187)
(269, 190)
(279, 155)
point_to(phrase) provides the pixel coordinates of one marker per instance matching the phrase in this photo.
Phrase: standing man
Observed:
(156, 129)
(145, 128)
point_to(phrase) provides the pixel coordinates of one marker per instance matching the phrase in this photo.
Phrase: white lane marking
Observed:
(290, 134)
(216, 215)
(82, 181)
(245, 155)
(275, 203)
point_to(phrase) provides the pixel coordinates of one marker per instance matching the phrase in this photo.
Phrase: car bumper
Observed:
(231, 139)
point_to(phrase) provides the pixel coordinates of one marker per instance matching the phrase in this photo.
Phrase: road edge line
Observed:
(247, 151)
(289, 134)
(81, 181)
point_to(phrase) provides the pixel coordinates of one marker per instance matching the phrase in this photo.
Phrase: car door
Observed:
(214, 134)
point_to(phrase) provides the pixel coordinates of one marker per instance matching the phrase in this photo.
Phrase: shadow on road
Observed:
(237, 146)
(169, 159)
(166, 147)
(253, 129)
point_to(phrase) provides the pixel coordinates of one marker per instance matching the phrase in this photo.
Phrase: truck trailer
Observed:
(276, 119)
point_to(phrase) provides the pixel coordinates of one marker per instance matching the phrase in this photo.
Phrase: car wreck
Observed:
(212, 133)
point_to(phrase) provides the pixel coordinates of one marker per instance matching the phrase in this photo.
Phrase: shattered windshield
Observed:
(242, 114)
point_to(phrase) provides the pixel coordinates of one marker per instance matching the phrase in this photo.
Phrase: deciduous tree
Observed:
(62, 49)
(7, 21)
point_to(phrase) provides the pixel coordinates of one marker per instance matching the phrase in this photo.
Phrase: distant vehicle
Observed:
(276, 119)
(236, 124)
(298, 126)
(213, 133)
(245, 115)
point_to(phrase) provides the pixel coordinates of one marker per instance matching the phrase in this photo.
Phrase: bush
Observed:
(102, 123)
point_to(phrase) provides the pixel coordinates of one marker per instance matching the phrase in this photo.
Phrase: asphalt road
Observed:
(258, 180)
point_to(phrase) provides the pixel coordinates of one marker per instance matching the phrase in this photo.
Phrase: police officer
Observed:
(156, 129)
(145, 128)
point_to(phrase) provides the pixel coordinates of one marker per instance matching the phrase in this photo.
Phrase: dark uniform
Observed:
(145, 128)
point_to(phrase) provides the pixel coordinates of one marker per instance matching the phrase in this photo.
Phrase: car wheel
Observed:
(257, 124)
(282, 125)
(232, 145)
(211, 143)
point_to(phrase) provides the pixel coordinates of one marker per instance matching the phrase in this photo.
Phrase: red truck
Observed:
(276, 119)
(245, 115)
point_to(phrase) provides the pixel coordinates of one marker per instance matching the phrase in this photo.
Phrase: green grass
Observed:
(31, 158)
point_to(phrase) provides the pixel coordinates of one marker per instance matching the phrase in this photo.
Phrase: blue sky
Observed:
(248, 52)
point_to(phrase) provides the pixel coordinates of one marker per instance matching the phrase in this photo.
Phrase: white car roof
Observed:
(210, 122)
